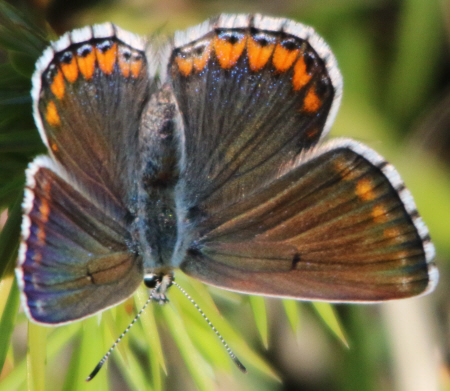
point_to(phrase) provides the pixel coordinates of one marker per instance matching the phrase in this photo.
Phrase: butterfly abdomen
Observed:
(159, 152)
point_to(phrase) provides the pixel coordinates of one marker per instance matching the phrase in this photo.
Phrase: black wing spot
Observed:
(295, 260)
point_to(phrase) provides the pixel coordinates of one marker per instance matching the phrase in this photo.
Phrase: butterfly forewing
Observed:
(252, 95)
(90, 88)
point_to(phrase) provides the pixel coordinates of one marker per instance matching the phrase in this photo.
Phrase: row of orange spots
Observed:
(379, 214)
(186, 62)
(284, 58)
(258, 55)
(340, 165)
(51, 115)
(312, 102)
(107, 59)
(392, 232)
(365, 189)
(185, 65)
(313, 132)
(70, 70)
(227, 52)
(124, 66)
(37, 257)
(44, 211)
(301, 77)
(86, 66)
(58, 88)
(200, 62)
(136, 67)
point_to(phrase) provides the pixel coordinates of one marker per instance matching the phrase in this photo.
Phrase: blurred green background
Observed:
(394, 56)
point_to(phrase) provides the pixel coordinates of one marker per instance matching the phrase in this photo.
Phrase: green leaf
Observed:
(199, 370)
(259, 313)
(328, 314)
(36, 357)
(292, 309)
(9, 291)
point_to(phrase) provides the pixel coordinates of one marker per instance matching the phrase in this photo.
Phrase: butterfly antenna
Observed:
(108, 353)
(229, 351)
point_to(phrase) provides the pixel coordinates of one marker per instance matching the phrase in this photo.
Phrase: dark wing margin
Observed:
(339, 225)
(74, 259)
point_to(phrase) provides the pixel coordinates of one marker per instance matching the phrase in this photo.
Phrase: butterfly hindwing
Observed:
(74, 259)
(338, 226)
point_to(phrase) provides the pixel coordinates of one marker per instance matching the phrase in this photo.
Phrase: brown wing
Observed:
(338, 225)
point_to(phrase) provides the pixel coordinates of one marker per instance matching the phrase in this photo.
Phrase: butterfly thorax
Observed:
(156, 225)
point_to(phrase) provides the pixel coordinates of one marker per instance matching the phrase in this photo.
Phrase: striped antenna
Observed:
(108, 353)
(153, 297)
(229, 351)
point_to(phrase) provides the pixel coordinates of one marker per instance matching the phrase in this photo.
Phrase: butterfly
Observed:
(206, 154)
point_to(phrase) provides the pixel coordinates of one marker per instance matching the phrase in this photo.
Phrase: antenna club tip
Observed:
(240, 365)
(95, 371)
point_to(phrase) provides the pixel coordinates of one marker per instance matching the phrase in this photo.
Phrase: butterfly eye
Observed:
(151, 280)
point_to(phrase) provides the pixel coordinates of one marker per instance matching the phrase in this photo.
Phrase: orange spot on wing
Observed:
(228, 53)
(107, 59)
(390, 233)
(185, 64)
(136, 66)
(52, 116)
(70, 70)
(312, 102)
(379, 214)
(58, 88)
(54, 147)
(44, 212)
(258, 55)
(125, 66)
(87, 65)
(41, 235)
(340, 166)
(201, 61)
(312, 132)
(284, 58)
(403, 254)
(37, 257)
(301, 77)
(364, 190)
